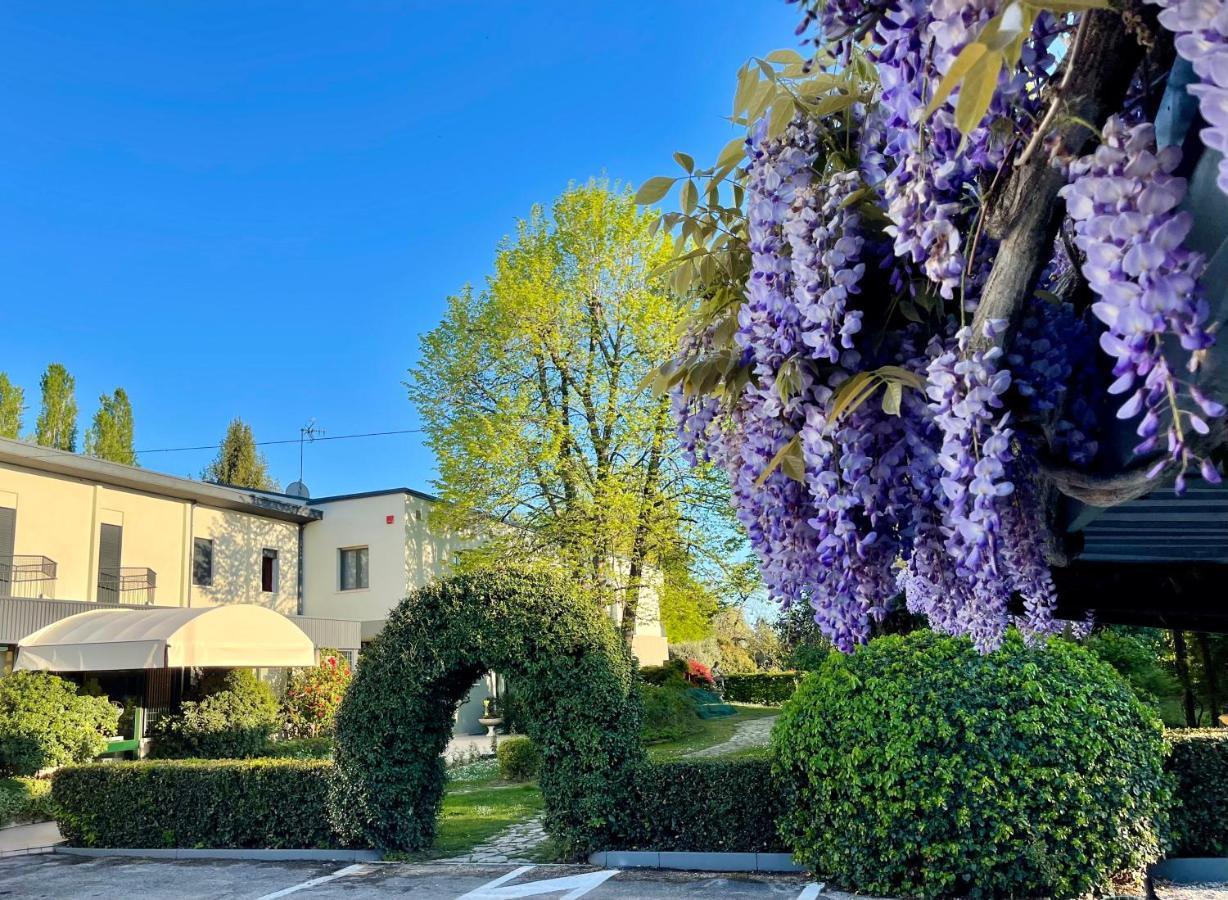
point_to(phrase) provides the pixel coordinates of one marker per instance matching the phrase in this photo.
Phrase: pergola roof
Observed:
(215, 636)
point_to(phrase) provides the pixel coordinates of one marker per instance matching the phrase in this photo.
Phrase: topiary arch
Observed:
(574, 680)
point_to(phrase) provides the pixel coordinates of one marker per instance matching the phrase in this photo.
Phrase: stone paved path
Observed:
(511, 845)
(754, 733)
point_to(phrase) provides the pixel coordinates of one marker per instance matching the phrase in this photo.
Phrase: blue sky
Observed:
(255, 208)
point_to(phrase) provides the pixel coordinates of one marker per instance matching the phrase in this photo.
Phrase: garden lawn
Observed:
(715, 731)
(477, 805)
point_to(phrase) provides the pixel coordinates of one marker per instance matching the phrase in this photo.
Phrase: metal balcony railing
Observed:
(29, 577)
(130, 584)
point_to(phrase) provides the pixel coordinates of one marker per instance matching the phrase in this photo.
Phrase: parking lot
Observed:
(59, 877)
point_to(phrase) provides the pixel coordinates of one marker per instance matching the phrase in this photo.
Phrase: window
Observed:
(268, 572)
(202, 561)
(354, 573)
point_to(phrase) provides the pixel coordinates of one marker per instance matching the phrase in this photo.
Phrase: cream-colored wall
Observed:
(60, 518)
(402, 555)
(239, 542)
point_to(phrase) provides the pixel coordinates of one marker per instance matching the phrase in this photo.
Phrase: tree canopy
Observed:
(951, 259)
(238, 462)
(533, 397)
(110, 436)
(12, 407)
(57, 420)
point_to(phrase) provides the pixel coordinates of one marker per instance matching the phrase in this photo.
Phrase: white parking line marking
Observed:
(811, 891)
(575, 885)
(323, 879)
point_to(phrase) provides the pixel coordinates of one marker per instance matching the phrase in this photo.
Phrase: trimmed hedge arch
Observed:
(574, 683)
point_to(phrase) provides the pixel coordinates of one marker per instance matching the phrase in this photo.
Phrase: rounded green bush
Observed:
(234, 719)
(45, 723)
(518, 759)
(917, 766)
(574, 688)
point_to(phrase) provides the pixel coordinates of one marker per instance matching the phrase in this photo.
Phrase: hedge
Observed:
(25, 800)
(670, 713)
(234, 719)
(575, 691)
(713, 804)
(1199, 763)
(920, 767)
(45, 722)
(765, 688)
(280, 803)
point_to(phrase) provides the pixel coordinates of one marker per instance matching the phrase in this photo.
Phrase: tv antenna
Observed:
(306, 434)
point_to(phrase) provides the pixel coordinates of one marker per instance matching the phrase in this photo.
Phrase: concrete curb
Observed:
(695, 861)
(313, 855)
(1192, 869)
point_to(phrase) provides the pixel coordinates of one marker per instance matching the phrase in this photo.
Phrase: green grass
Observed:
(715, 731)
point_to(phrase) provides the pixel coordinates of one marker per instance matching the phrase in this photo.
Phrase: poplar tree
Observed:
(12, 406)
(110, 436)
(238, 462)
(57, 421)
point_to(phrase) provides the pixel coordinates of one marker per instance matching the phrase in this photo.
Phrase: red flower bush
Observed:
(313, 695)
(699, 675)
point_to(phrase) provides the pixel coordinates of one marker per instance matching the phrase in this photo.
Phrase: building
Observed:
(79, 534)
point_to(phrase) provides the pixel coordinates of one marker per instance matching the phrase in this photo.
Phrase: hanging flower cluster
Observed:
(1201, 29)
(1123, 199)
(876, 446)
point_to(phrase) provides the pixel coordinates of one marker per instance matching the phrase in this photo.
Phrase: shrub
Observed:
(574, 684)
(669, 712)
(1199, 763)
(673, 671)
(766, 688)
(519, 759)
(699, 675)
(25, 800)
(717, 805)
(709, 705)
(234, 720)
(196, 803)
(313, 695)
(300, 748)
(45, 723)
(918, 766)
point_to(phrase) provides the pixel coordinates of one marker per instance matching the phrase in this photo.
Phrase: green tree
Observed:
(687, 604)
(238, 462)
(110, 436)
(534, 400)
(57, 421)
(12, 407)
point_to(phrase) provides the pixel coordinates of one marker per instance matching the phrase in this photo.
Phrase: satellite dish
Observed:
(298, 489)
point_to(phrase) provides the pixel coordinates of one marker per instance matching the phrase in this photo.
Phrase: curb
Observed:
(695, 861)
(312, 855)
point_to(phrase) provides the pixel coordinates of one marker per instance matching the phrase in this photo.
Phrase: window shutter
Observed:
(110, 550)
(8, 533)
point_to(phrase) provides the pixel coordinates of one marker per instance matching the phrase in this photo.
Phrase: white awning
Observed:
(107, 640)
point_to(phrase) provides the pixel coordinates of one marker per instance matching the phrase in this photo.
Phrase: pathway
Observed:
(513, 844)
(18, 840)
(754, 733)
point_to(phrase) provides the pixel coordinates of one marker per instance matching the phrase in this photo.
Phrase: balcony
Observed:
(28, 577)
(130, 585)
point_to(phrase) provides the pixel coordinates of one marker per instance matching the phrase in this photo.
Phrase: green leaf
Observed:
(847, 396)
(786, 57)
(968, 57)
(733, 153)
(901, 375)
(654, 189)
(690, 196)
(794, 445)
(686, 161)
(977, 92)
(783, 111)
(892, 398)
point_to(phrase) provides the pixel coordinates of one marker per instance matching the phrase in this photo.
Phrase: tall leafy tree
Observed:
(238, 462)
(533, 397)
(12, 407)
(110, 436)
(57, 420)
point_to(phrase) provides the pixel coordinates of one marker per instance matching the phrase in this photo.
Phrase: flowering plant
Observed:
(699, 675)
(947, 236)
(313, 694)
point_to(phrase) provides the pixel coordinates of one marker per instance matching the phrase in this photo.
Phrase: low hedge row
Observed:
(275, 803)
(715, 804)
(1199, 763)
(765, 688)
(25, 800)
